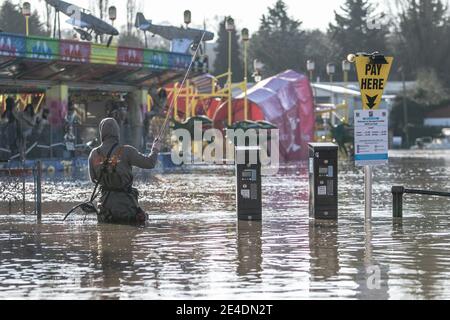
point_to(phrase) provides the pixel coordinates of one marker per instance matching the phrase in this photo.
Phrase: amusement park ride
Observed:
(85, 24)
(182, 39)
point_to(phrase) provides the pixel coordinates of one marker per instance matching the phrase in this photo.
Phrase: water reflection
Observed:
(372, 276)
(114, 248)
(249, 248)
(324, 248)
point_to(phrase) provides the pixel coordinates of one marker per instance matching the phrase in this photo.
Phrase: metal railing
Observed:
(15, 189)
(50, 144)
(399, 191)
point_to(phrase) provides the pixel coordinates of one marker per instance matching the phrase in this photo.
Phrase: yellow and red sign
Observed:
(372, 76)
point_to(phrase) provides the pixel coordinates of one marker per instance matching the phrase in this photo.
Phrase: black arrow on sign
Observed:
(371, 101)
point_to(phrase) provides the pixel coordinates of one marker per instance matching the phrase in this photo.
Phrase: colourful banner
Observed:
(75, 51)
(12, 46)
(103, 55)
(130, 57)
(40, 48)
(156, 59)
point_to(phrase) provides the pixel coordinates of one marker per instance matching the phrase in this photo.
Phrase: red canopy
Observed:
(287, 101)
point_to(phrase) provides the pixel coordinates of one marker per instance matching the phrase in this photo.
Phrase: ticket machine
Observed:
(323, 181)
(248, 184)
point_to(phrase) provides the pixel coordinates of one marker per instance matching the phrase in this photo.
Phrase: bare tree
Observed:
(131, 14)
(48, 17)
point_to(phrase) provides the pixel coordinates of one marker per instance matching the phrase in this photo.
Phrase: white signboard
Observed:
(371, 137)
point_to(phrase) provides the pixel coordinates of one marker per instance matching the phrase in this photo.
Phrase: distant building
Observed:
(438, 118)
(328, 95)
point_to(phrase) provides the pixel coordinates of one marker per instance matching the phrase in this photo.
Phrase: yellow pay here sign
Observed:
(372, 76)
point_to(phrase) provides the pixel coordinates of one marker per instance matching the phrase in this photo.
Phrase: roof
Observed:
(337, 89)
(391, 87)
(52, 60)
(439, 113)
(270, 87)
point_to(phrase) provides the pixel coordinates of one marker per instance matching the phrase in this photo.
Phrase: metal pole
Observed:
(331, 90)
(245, 81)
(59, 26)
(397, 203)
(405, 110)
(347, 111)
(39, 191)
(54, 24)
(187, 98)
(23, 155)
(333, 101)
(311, 75)
(368, 192)
(51, 141)
(175, 102)
(230, 114)
(27, 24)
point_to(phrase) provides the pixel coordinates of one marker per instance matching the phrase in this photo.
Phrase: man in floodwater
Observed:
(110, 165)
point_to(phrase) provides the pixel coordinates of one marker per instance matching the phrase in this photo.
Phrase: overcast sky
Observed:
(247, 13)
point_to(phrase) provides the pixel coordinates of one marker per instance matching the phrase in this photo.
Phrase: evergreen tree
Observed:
(279, 43)
(422, 39)
(354, 31)
(12, 20)
(221, 62)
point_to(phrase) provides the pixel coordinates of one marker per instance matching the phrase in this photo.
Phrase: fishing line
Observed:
(172, 104)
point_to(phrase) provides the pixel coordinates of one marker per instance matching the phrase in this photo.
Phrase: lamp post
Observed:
(229, 26)
(26, 11)
(331, 70)
(187, 18)
(310, 66)
(405, 108)
(245, 39)
(257, 67)
(112, 12)
(346, 67)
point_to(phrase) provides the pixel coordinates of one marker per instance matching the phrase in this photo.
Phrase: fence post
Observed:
(39, 191)
(397, 203)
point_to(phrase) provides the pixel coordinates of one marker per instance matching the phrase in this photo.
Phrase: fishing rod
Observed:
(172, 104)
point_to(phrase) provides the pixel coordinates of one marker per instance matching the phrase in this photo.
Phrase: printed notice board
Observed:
(371, 137)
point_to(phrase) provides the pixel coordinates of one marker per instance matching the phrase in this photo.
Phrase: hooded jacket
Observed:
(125, 157)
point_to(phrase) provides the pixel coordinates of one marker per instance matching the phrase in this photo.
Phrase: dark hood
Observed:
(109, 130)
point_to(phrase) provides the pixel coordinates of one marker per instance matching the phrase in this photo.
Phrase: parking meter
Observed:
(248, 184)
(323, 181)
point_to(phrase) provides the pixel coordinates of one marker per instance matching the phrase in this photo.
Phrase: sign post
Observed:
(371, 124)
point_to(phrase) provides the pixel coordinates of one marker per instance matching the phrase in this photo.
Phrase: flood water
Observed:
(193, 248)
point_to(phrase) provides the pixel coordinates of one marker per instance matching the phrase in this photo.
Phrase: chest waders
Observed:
(89, 207)
(111, 212)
